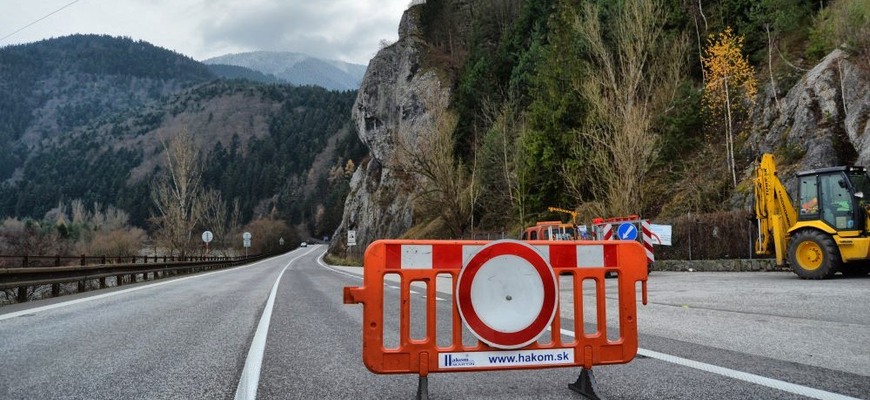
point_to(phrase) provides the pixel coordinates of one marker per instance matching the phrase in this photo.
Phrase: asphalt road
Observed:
(703, 336)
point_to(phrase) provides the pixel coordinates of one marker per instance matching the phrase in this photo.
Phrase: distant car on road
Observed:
(304, 244)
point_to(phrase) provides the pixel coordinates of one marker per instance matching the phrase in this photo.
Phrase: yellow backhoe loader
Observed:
(829, 233)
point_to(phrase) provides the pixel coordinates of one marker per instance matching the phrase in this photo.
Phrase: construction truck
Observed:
(554, 230)
(829, 233)
(551, 230)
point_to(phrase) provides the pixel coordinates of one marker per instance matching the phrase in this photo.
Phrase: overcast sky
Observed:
(346, 30)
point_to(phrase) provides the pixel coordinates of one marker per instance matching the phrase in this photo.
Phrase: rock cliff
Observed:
(390, 102)
(821, 122)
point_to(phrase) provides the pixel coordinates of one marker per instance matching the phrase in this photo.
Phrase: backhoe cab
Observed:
(829, 232)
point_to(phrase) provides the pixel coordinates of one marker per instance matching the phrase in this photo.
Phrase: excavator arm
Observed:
(773, 210)
(573, 214)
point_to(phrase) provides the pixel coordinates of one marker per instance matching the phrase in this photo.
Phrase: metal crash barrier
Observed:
(507, 295)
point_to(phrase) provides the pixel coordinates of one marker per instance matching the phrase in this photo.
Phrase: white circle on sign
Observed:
(207, 236)
(507, 293)
(246, 236)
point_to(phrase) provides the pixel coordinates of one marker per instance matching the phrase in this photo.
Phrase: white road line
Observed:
(250, 379)
(333, 269)
(324, 265)
(115, 293)
(747, 377)
(739, 375)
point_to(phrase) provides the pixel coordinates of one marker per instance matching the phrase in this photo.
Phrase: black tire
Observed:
(813, 254)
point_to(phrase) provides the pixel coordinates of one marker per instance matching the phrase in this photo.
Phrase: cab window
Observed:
(860, 183)
(809, 197)
(836, 201)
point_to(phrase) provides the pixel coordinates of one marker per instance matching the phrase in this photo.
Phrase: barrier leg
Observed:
(586, 385)
(423, 388)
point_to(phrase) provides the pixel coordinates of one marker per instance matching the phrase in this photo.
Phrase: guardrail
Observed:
(29, 275)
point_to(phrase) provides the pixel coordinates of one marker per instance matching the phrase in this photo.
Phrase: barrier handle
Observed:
(353, 295)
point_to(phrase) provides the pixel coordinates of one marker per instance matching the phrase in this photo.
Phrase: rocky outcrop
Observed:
(821, 122)
(390, 102)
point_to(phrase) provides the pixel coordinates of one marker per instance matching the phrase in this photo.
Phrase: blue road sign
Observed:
(626, 232)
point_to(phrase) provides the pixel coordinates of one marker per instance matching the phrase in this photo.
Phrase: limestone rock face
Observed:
(821, 122)
(390, 102)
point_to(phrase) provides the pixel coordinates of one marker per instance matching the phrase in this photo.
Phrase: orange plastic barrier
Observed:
(505, 342)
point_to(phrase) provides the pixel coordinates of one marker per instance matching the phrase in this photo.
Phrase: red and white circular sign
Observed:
(506, 294)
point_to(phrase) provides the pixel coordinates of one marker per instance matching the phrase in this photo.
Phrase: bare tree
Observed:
(175, 193)
(446, 188)
(77, 209)
(115, 219)
(213, 212)
(627, 85)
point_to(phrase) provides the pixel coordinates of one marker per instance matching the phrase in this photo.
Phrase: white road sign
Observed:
(246, 236)
(351, 238)
(207, 236)
(661, 234)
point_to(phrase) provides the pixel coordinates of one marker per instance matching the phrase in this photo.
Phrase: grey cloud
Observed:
(333, 31)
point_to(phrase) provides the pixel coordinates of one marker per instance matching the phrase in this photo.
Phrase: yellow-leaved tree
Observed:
(730, 87)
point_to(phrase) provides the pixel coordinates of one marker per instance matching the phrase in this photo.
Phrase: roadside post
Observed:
(246, 241)
(351, 240)
(507, 294)
(207, 236)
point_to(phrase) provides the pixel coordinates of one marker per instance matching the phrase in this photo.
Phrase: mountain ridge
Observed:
(297, 68)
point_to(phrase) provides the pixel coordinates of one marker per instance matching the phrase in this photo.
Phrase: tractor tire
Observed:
(814, 255)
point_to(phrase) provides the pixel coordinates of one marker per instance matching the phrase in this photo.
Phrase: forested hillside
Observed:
(54, 86)
(611, 108)
(87, 120)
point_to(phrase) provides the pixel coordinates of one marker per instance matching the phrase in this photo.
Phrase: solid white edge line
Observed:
(714, 369)
(739, 375)
(336, 270)
(250, 379)
(118, 292)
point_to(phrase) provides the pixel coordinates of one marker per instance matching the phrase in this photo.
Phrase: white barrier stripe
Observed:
(468, 252)
(590, 256)
(647, 240)
(608, 232)
(416, 256)
(250, 379)
(421, 256)
(649, 255)
(739, 375)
